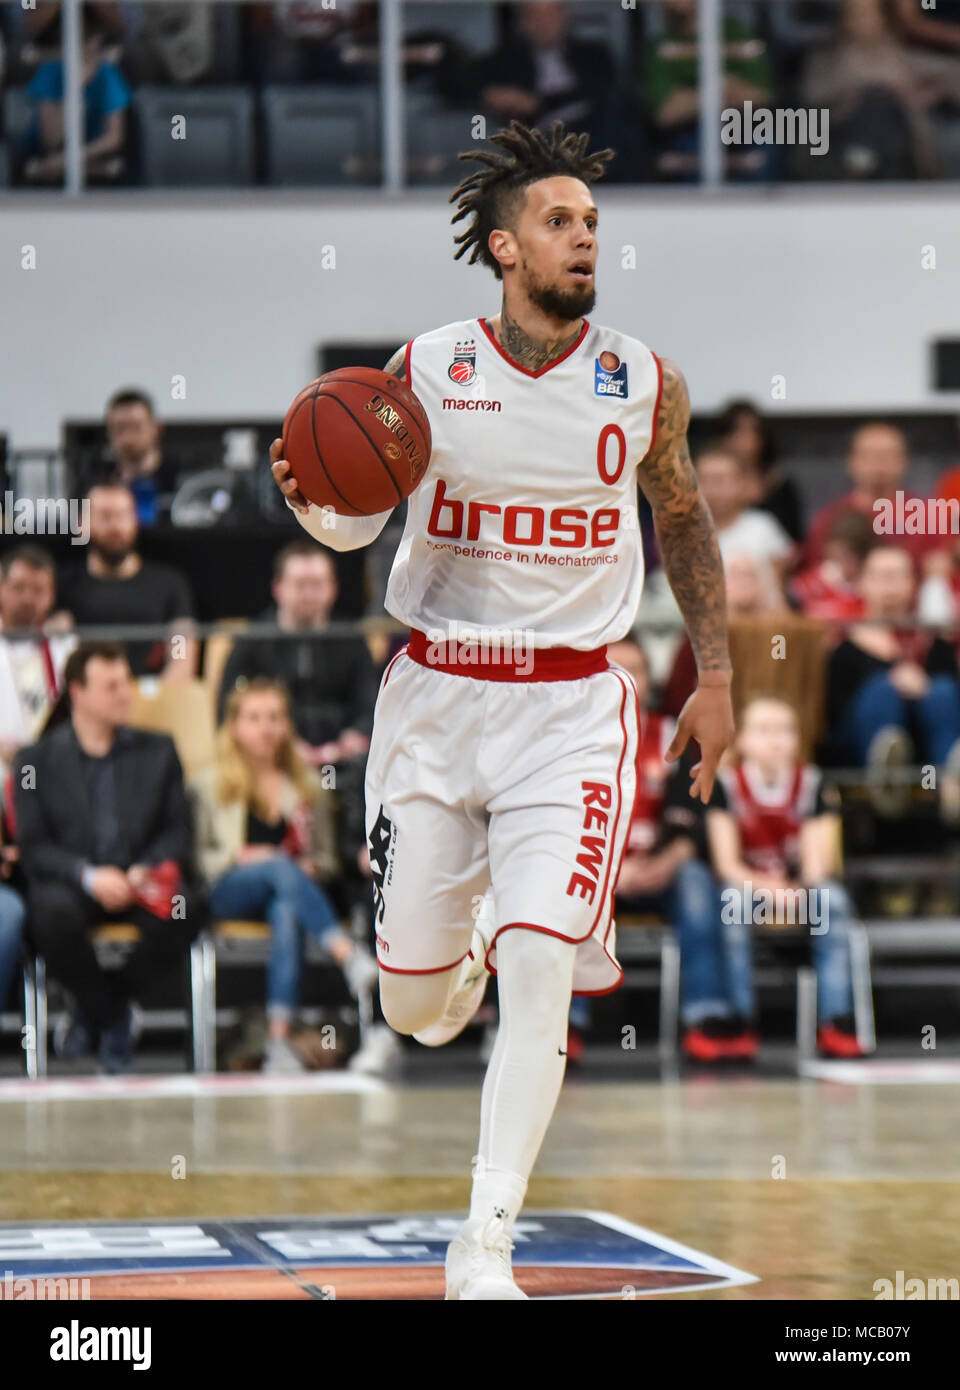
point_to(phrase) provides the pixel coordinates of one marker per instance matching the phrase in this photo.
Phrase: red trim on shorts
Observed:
(549, 663)
(540, 370)
(656, 405)
(571, 940)
(616, 820)
(407, 367)
(393, 662)
(433, 970)
(636, 795)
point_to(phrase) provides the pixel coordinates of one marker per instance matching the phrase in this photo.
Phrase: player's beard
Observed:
(559, 304)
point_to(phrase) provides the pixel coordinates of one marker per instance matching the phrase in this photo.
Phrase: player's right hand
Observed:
(284, 478)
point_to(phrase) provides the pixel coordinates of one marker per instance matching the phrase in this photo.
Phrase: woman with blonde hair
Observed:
(265, 843)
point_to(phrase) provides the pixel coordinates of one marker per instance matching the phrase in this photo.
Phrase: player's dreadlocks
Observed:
(491, 194)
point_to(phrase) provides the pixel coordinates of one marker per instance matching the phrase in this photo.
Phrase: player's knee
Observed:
(535, 967)
(412, 1002)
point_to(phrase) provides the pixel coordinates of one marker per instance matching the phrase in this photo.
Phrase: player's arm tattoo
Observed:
(532, 353)
(397, 366)
(685, 531)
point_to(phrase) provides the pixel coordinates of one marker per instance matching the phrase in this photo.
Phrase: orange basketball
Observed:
(357, 440)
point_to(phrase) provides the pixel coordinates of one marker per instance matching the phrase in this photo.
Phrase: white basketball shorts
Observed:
(523, 787)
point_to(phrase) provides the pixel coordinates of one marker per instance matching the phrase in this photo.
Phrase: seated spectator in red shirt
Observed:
(744, 431)
(830, 589)
(31, 667)
(118, 587)
(892, 689)
(773, 832)
(877, 464)
(741, 528)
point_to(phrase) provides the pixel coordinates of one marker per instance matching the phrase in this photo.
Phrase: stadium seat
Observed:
(321, 135)
(760, 666)
(183, 711)
(218, 148)
(435, 137)
(113, 942)
(217, 649)
(16, 118)
(240, 943)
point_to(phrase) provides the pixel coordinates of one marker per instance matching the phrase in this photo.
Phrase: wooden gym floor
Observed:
(869, 1187)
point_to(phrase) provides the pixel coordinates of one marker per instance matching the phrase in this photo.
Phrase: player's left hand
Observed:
(707, 718)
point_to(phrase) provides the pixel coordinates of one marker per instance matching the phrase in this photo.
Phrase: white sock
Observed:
(525, 1072)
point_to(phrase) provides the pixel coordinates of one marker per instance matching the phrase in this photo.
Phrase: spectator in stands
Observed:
(31, 664)
(118, 587)
(892, 690)
(879, 94)
(773, 831)
(266, 840)
(311, 41)
(831, 589)
(671, 89)
(932, 28)
(543, 73)
(103, 827)
(332, 680)
(106, 98)
(662, 872)
(741, 528)
(753, 590)
(877, 464)
(744, 431)
(12, 916)
(175, 43)
(135, 455)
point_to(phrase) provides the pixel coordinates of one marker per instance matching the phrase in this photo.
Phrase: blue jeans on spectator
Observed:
(692, 903)
(878, 704)
(278, 891)
(12, 914)
(830, 951)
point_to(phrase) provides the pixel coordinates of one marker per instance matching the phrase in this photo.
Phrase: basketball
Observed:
(357, 441)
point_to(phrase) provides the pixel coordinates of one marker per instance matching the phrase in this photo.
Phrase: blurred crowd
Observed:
(845, 641)
(887, 71)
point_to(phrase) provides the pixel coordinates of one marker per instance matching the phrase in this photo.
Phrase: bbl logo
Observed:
(463, 368)
(610, 377)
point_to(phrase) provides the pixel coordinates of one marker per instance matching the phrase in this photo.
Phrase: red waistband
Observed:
(492, 663)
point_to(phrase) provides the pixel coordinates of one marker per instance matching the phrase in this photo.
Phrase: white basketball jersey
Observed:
(526, 517)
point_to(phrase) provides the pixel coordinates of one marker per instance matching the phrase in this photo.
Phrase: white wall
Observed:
(826, 289)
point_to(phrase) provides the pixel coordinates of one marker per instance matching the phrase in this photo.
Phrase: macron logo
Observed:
(76, 1343)
(469, 403)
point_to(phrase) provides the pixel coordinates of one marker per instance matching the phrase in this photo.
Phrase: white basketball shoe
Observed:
(465, 999)
(478, 1261)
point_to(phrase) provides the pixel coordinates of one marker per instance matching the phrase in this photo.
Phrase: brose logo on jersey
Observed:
(463, 368)
(610, 376)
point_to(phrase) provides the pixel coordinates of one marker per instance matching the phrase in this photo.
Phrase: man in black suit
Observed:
(104, 833)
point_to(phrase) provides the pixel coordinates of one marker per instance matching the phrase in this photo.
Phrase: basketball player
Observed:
(504, 744)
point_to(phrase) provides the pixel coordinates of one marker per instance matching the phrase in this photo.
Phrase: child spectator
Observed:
(106, 97)
(773, 831)
(266, 842)
(830, 589)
